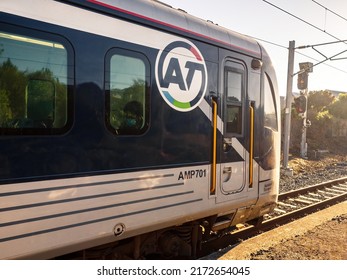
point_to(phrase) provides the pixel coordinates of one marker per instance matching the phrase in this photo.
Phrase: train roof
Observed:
(160, 15)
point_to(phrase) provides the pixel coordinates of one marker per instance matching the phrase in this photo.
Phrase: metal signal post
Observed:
(303, 144)
(305, 69)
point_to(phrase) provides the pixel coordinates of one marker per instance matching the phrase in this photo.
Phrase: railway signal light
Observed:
(302, 80)
(300, 104)
(305, 68)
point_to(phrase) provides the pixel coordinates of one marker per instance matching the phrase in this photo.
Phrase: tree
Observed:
(12, 84)
(319, 133)
(25, 94)
(318, 103)
(319, 100)
(339, 107)
(5, 109)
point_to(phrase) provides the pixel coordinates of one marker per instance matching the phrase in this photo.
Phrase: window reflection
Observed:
(33, 84)
(128, 83)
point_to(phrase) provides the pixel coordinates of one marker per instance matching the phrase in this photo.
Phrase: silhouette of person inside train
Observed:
(133, 116)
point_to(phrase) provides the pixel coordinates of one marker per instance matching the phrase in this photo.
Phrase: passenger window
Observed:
(34, 89)
(127, 81)
(270, 114)
(234, 88)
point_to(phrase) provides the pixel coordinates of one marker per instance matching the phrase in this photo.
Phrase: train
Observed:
(130, 130)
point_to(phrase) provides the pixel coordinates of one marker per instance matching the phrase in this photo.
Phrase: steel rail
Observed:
(323, 185)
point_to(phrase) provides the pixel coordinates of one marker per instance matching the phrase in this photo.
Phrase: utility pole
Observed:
(288, 109)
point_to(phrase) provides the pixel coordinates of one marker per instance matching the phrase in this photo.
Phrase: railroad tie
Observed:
(280, 211)
(304, 201)
(286, 205)
(309, 198)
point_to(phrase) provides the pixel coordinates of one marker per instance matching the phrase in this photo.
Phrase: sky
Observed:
(259, 19)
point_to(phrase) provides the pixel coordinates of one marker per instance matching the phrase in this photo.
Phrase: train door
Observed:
(236, 145)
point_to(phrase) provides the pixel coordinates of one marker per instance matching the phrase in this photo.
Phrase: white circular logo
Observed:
(181, 75)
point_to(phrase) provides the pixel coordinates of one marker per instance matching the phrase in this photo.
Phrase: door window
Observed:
(234, 95)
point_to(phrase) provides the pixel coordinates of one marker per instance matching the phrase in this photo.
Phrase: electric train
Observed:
(130, 129)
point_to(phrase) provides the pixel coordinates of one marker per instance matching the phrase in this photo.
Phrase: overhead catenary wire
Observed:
(300, 53)
(326, 59)
(310, 57)
(327, 9)
(299, 18)
(316, 27)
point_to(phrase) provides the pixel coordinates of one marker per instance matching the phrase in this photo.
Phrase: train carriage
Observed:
(131, 127)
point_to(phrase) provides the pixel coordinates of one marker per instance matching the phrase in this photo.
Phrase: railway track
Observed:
(291, 205)
(302, 201)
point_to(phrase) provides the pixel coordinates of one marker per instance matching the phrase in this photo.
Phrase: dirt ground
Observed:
(313, 171)
(325, 242)
(309, 166)
(320, 236)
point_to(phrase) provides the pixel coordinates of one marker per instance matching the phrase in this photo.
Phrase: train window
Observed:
(33, 84)
(270, 114)
(127, 88)
(234, 88)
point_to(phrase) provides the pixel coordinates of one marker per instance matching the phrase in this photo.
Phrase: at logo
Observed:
(181, 75)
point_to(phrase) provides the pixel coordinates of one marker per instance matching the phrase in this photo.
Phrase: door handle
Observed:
(227, 170)
(214, 149)
(251, 144)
